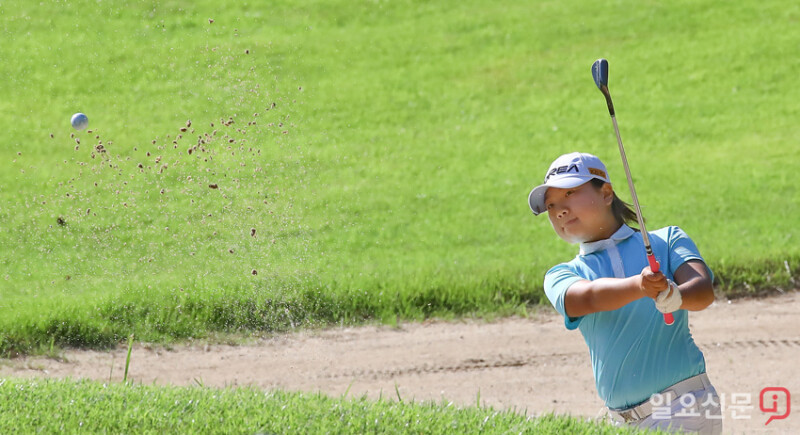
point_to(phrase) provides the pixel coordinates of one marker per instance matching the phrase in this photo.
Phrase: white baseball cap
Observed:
(569, 170)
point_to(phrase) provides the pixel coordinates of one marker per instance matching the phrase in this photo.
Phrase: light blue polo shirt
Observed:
(634, 354)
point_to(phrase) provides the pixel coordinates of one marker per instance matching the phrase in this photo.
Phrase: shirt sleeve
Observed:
(683, 249)
(556, 282)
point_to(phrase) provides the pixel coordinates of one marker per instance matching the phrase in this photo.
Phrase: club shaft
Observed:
(651, 258)
(601, 80)
(635, 198)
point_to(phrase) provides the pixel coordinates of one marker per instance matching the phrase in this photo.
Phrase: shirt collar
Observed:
(621, 234)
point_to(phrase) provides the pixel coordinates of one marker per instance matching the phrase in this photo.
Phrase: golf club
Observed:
(600, 75)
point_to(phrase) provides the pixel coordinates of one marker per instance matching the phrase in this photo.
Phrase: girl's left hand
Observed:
(669, 300)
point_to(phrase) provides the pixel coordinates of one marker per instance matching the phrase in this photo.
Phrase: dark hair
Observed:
(623, 212)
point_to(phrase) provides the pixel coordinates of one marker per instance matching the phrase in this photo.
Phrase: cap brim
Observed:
(536, 197)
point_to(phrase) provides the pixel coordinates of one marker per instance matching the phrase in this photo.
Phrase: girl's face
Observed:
(583, 213)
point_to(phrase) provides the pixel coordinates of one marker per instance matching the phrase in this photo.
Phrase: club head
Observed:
(600, 73)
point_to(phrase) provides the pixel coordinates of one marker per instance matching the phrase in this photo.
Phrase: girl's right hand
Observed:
(651, 284)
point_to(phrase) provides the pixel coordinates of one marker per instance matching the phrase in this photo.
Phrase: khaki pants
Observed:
(695, 411)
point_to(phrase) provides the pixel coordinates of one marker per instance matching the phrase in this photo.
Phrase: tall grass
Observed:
(65, 406)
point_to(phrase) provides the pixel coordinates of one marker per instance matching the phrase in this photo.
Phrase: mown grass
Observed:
(381, 151)
(66, 406)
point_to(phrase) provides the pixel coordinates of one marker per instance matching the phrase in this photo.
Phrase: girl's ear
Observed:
(608, 193)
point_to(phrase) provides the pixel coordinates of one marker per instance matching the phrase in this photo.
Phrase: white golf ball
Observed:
(79, 121)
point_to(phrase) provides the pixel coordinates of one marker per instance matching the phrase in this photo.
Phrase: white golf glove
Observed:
(670, 299)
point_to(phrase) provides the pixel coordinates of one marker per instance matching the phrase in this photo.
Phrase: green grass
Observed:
(66, 406)
(382, 151)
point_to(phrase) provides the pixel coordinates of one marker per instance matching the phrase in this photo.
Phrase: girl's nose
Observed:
(562, 213)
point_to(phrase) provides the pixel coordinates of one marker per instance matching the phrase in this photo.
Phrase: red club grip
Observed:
(655, 267)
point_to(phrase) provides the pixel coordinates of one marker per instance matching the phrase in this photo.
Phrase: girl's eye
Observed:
(569, 192)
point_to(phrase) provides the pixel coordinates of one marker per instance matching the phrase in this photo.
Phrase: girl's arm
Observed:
(607, 294)
(694, 281)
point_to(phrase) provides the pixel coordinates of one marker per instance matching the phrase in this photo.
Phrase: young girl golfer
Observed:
(649, 374)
